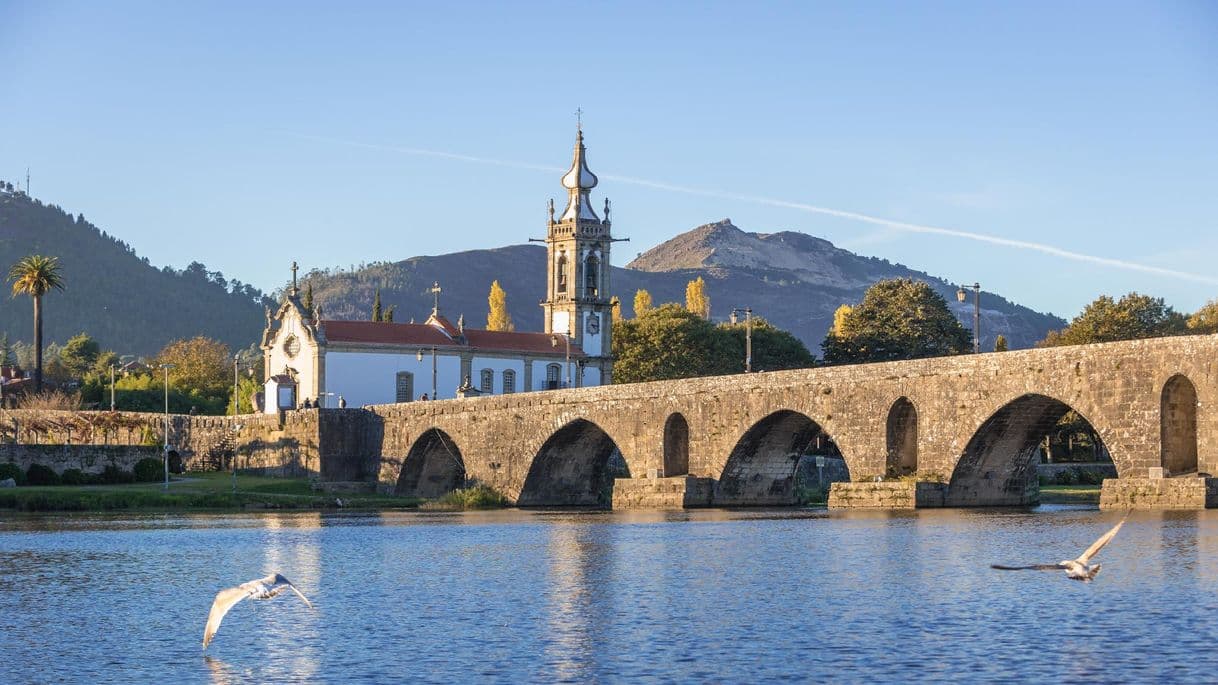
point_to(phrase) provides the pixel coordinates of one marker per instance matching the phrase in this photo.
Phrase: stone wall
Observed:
(91, 459)
(1159, 493)
(886, 495)
(677, 492)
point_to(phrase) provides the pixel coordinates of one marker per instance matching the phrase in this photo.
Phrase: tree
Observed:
(201, 367)
(7, 358)
(615, 309)
(1204, 320)
(1132, 317)
(79, 355)
(389, 314)
(773, 348)
(498, 319)
(1000, 343)
(642, 302)
(376, 307)
(696, 299)
(35, 276)
(898, 318)
(839, 319)
(669, 342)
(308, 297)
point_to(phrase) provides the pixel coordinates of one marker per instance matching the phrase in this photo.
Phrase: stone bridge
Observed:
(970, 425)
(949, 431)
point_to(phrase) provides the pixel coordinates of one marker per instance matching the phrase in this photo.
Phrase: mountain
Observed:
(794, 280)
(117, 297)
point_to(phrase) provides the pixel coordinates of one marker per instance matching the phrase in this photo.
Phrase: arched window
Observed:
(404, 387)
(592, 275)
(509, 382)
(553, 374)
(487, 381)
(560, 274)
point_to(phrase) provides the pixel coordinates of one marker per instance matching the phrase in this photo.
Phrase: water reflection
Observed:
(728, 596)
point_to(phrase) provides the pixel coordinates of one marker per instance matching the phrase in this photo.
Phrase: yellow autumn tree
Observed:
(696, 299)
(642, 302)
(498, 319)
(839, 320)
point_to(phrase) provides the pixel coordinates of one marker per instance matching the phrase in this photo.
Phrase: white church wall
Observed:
(592, 341)
(371, 377)
(302, 362)
(498, 365)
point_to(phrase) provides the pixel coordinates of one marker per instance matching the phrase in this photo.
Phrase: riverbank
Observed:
(195, 491)
(1070, 494)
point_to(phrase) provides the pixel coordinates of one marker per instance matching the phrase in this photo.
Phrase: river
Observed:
(520, 596)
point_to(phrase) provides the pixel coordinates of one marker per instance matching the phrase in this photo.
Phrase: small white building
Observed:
(370, 362)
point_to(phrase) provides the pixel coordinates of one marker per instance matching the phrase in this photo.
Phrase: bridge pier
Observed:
(675, 492)
(1159, 493)
(893, 494)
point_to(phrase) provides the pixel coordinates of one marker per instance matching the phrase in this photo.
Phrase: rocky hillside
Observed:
(792, 279)
(120, 299)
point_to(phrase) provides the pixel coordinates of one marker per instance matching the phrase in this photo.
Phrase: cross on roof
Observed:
(435, 291)
(579, 118)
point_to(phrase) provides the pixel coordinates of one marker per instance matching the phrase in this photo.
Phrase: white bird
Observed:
(1076, 569)
(261, 588)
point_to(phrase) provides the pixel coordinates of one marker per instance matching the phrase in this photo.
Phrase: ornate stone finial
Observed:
(606, 209)
(579, 119)
(268, 315)
(435, 291)
(551, 210)
(294, 288)
(461, 323)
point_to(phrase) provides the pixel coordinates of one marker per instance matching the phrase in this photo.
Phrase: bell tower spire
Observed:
(577, 250)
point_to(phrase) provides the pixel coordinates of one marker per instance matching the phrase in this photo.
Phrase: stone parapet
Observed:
(1159, 493)
(676, 492)
(92, 459)
(887, 495)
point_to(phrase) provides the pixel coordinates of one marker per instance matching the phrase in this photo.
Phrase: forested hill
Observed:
(120, 299)
(795, 281)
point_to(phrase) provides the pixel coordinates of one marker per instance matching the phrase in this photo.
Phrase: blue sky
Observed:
(245, 136)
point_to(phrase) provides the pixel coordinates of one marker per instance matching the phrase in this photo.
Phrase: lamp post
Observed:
(165, 458)
(419, 357)
(567, 366)
(961, 296)
(236, 396)
(748, 336)
(111, 387)
(236, 431)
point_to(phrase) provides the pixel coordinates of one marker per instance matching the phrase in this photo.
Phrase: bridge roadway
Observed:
(972, 422)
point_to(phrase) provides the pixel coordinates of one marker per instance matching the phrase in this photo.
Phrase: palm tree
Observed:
(35, 276)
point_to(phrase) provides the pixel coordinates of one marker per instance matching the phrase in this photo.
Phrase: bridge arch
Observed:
(676, 445)
(433, 466)
(762, 466)
(574, 467)
(901, 430)
(1178, 425)
(999, 464)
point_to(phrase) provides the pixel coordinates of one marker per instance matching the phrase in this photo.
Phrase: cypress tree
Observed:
(376, 307)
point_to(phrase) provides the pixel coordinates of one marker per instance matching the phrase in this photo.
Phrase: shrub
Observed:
(175, 462)
(149, 470)
(73, 477)
(37, 474)
(1067, 477)
(476, 497)
(1090, 477)
(113, 475)
(11, 470)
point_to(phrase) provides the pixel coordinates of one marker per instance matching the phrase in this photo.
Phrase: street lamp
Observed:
(111, 387)
(236, 401)
(748, 336)
(165, 459)
(236, 432)
(419, 357)
(566, 367)
(962, 295)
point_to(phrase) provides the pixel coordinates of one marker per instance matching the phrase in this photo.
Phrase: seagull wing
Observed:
(225, 600)
(1096, 546)
(1033, 567)
(278, 582)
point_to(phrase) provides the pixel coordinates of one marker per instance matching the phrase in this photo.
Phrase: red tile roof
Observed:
(423, 335)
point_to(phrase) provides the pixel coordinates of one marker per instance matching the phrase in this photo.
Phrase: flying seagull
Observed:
(261, 588)
(1076, 569)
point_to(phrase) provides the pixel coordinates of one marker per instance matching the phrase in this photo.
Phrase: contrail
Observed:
(800, 206)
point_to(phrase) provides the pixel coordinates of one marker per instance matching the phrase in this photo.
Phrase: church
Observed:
(369, 362)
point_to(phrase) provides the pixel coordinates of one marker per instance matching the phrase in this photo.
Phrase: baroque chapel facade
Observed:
(367, 362)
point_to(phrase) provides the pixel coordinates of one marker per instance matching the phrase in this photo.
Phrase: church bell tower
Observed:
(577, 271)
